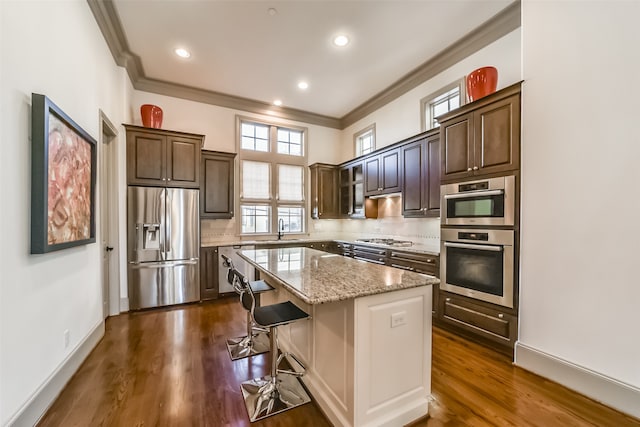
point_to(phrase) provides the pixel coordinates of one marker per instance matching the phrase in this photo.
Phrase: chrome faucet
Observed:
(280, 228)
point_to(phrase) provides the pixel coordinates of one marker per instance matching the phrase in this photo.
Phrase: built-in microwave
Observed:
(488, 201)
(478, 263)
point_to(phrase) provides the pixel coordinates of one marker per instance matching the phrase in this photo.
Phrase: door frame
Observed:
(109, 213)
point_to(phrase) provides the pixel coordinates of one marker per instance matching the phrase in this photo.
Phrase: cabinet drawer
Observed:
(418, 267)
(377, 255)
(420, 263)
(488, 322)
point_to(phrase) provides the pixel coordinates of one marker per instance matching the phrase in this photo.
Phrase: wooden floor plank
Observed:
(170, 367)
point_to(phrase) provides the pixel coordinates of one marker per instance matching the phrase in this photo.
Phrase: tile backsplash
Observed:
(390, 224)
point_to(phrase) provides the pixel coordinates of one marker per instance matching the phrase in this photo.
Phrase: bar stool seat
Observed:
(256, 341)
(282, 389)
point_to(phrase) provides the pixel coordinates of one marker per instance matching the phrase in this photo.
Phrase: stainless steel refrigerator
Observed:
(163, 240)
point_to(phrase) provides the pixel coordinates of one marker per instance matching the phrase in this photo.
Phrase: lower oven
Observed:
(478, 263)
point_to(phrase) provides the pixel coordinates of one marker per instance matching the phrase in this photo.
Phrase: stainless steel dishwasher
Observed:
(241, 265)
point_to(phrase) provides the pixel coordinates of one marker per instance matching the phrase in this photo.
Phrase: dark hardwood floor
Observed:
(170, 367)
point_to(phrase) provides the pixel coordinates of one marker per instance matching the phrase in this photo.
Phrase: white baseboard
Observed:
(124, 305)
(29, 414)
(609, 391)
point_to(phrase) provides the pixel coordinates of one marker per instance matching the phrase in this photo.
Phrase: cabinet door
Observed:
(372, 184)
(412, 186)
(216, 192)
(390, 179)
(208, 273)
(146, 159)
(432, 185)
(183, 162)
(456, 137)
(327, 193)
(497, 136)
(324, 191)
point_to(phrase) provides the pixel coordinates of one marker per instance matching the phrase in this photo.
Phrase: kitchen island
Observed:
(367, 347)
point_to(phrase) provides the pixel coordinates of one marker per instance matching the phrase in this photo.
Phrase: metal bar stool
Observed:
(281, 390)
(256, 340)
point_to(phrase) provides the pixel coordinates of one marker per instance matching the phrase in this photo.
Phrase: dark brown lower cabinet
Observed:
(208, 273)
(486, 322)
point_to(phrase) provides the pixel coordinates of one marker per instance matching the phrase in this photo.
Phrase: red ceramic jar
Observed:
(151, 116)
(481, 82)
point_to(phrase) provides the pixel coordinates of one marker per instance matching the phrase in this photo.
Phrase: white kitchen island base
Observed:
(368, 358)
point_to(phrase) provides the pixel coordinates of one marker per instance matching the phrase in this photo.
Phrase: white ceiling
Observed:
(239, 49)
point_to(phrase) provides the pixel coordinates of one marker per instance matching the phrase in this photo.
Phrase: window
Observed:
(365, 140)
(443, 101)
(272, 170)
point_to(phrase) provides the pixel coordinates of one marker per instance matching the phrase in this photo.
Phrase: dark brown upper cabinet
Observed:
(352, 202)
(324, 191)
(382, 173)
(421, 176)
(481, 138)
(164, 158)
(216, 185)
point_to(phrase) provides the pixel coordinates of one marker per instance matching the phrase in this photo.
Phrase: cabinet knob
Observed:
(320, 214)
(448, 299)
(468, 169)
(500, 316)
(475, 168)
(231, 212)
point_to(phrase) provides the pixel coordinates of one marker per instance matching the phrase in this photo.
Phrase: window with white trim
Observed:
(365, 140)
(446, 99)
(272, 177)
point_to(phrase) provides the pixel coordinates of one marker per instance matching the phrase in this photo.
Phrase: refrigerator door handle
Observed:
(162, 264)
(167, 218)
(162, 203)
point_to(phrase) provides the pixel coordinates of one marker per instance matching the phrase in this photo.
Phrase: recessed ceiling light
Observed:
(277, 102)
(341, 40)
(272, 11)
(182, 53)
(303, 85)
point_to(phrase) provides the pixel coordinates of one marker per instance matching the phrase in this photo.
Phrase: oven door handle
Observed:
(472, 246)
(474, 194)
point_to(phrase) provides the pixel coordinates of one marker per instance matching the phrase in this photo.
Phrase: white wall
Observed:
(580, 290)
(219, 125)
(400, 118)
(53, 48)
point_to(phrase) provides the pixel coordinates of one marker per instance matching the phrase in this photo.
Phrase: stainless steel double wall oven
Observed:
(477, 239)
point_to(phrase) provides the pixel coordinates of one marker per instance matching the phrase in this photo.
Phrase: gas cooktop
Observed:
(388, 242)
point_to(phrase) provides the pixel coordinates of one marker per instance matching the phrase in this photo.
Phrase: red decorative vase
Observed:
(481, 82)
(151, 116)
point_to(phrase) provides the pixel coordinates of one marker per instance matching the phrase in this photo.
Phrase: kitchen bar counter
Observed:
(319, 277)
(367, 345)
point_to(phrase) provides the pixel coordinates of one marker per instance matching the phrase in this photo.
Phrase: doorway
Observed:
(108, 184)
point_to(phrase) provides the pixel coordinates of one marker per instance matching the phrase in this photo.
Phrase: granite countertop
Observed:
(319, 277)
(418, 248)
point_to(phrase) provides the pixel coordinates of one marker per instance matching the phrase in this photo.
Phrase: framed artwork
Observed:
(63, 179)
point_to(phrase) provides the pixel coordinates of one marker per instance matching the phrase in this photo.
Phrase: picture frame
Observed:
(63, 179)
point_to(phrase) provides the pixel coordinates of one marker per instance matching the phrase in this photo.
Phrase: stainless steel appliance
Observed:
(387, 242)
(478, 263)
(488, 201)
(240, 264)
(163, 240)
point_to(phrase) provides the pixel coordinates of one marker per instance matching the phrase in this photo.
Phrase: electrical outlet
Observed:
(66, 338)
(398, 319)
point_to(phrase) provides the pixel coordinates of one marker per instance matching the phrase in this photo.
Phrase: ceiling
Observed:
(254, 52)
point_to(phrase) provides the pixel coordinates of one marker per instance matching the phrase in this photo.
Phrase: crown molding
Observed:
(109, 23)
(493, 29)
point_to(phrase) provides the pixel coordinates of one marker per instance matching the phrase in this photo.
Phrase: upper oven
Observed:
(488, 201)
